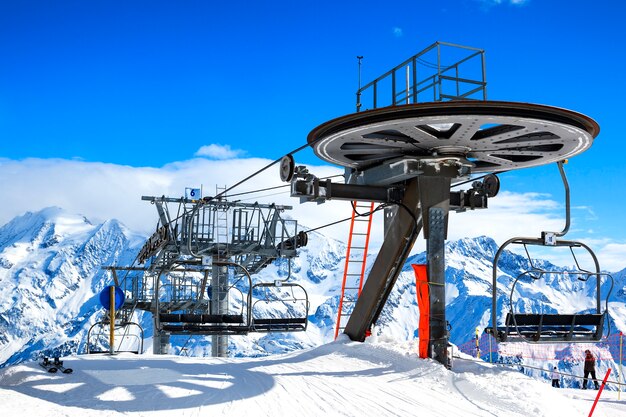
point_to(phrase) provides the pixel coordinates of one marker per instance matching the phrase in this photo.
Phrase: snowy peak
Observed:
(322, 257)
(50, 271)
(42, 228)
(481, 247)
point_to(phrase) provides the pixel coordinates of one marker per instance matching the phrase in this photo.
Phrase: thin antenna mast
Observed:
(358, 93)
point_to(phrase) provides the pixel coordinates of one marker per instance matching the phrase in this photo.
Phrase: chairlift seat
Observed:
(205, 329)
(205, 324)
(550, 328)
(296, 299)
(201, 318)
(280, 324)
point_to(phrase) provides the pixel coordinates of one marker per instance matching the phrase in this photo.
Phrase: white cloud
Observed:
(527, 215)
(215, 151)
(102, 191)
(509, 215)
(611, 253)
(613, 256)
(397, 31)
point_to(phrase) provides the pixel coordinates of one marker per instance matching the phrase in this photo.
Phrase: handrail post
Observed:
(375, 93)
(482, 57)
(393, 88)
(408, 84)
(358, 93)
(414, 80)
(439, 69)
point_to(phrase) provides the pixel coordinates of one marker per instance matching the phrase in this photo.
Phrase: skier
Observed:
(555, 378)
(590, 368)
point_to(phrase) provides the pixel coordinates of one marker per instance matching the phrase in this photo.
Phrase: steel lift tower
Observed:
(194, 274)
(407, 154)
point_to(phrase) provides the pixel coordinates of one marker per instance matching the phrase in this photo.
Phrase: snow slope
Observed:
(338, 379)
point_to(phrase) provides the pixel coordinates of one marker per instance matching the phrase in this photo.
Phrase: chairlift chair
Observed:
(185, 318)
(98, 336)
(292, 305)
(550, 328)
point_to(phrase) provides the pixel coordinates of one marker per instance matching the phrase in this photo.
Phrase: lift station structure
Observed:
(418, 130)
(194, 274)
(406, 154)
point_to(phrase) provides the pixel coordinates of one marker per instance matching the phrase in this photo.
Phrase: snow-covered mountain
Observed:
(50, 276)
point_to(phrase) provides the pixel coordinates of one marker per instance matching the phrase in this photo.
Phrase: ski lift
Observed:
(98, 336)
(551, 328)
(282, 307)
(189, 316)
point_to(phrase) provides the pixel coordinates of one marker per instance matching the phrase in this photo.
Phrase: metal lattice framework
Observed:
(251, 235)
(197, 271)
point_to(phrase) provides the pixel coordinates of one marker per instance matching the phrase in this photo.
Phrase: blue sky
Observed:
(154, 84)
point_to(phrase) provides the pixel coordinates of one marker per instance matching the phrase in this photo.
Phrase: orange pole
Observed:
(367, 243)
(600, 391)
(111, 319)
(345, 275)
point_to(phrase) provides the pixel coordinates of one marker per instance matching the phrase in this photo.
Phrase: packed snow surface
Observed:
(338, 379)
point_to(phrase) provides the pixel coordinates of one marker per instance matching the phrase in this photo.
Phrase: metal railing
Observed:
(418, 79)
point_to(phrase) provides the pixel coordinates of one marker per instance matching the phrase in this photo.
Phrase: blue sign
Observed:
(105, 298)
(193, 193)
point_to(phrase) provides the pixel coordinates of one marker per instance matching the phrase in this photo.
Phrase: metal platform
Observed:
(489, 136)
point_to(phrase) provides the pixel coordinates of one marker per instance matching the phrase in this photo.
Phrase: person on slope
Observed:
(590, 368)
(555, 378)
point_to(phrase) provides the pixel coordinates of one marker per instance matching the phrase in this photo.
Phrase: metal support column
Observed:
(160, 342)
(435, 248)
(219, 305)
(434, 194)
(161, 339)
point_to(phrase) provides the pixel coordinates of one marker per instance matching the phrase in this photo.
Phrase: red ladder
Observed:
(356, 256)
